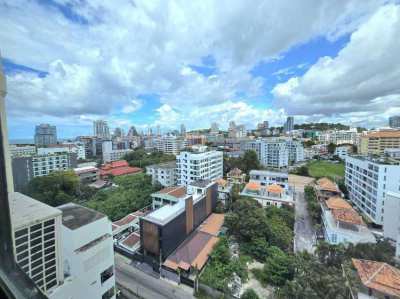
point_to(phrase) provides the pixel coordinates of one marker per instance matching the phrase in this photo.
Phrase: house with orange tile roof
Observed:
(224, 189)
(236, 176)
(326, 188)
(118, 168)
(342, 224)
(379, 280)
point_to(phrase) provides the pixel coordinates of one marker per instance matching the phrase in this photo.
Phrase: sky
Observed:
(149, 63)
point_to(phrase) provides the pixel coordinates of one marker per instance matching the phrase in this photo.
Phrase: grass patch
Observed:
(319, 169)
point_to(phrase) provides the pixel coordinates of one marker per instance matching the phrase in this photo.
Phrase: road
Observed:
(144, 285)
(304, 230)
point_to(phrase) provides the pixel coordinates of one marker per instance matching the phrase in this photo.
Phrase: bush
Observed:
(249, 294)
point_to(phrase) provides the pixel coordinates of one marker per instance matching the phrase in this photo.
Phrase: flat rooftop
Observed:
(25, 210)
(375, 159)
(166, 213)
(201, 183)
(268, 173)
(165, 165)
(75, 216)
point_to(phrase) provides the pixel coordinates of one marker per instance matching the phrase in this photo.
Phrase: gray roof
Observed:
(75, 216)
(165, 165)
(201, 183)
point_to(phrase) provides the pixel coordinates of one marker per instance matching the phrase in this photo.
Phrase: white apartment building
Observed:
(76, 148)
(267, 177)
(44, 165)
(170, 144)
(37, 241)
(342, 151)
(296, 150)
(21, 151)
(88, 252)
(110, 154)
(202, 165)
(339, 136)
(368, 180)
(163, 173)
(391, 219)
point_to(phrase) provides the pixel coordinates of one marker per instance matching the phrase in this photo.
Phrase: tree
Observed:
(249, 294)
(250, 161)
(331, 148)
(279, 266)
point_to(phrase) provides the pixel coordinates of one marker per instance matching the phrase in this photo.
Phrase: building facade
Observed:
(368, 180)
(101, 129)
(339, 136)
(376, 142)
(170, 144)
(163, 173)
(391, 219)
(202, 165)
(289, 124)
(110, 154)
(394, 121)
(22, 150)
(26, 168)
(45, 134)
(78, 149)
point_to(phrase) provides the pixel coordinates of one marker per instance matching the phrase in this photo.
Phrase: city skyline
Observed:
(279, 70)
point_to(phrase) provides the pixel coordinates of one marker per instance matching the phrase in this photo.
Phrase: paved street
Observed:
(144, 285)
(304, 231)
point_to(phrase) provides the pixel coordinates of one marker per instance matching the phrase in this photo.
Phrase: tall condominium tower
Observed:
(45, 134)
(100, 129)
(394, 121)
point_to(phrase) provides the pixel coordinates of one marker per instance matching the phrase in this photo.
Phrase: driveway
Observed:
(303, 228)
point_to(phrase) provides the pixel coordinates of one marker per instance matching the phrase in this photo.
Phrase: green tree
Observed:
(249, 294)
(331, 148)
(250, 161)
(279, 266)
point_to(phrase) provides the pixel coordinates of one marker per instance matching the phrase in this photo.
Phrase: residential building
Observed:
(376, 142)
(214, 128)
(391, 219)
(236, 176)
(110, 154)
(118, 168)
(90, 145)
(76, 148)
(101, 129)
(342, 224)
(262, 126)
(164, 229)
(394, 121)
(289, 124)
(271, 152)
(339, 136)
(37, 241)
(183, 130)
(267, 177)
(170, 144)
(200, 165)
(88, 252)
(117, 133)
(22, 150)
(26, 168)
(224, 190)
(235, 131)
(325, 189)
(378, 280)
(163, 173)
(368, 180)
(87, 174)
(45, 134)
(168, 196)
(342, 151)
(268, 195)
(132, 132)
(393, 153)
(295, 150)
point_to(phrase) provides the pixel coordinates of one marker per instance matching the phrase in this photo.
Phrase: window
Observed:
(106, 274)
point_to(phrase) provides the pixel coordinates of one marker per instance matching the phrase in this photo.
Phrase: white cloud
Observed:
(360, 83)
(133, 106)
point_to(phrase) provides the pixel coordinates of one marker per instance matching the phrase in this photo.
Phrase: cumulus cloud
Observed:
(362, 81)
(111, 52)
(133, 106)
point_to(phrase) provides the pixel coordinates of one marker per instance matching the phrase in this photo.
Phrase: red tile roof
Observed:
(379, 276)
(118, 168)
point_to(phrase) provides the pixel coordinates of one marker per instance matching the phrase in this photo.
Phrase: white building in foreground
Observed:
(200, 165)
(163, 173)
(67, 251)
(368, 180)
(391, 219)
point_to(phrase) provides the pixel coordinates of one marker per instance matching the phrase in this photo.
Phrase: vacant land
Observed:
(318, 169)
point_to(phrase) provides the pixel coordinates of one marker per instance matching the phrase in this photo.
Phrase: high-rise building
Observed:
(110, 154)
(45, 134)
(183, 130)
(201, 165)
(214, 128)
(101, 129)
(169, 144)
(368, 180)
(289, 125)
(339, 136)
(394, 121)
(132, 132)
(117, 133)
(263, 126)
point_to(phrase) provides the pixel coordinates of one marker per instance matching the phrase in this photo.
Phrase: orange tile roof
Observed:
(253, 186)
(379, 276)
(347, 215)
(202, 257)
(213, 224)
(337, 202)
(384, 134)
(327, 184)
(235, 172)
(221, 182)
(274, 188)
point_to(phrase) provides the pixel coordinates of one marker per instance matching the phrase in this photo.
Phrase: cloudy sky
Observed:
(149, 63)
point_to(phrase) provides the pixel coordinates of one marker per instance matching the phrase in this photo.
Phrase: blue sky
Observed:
(163, 63)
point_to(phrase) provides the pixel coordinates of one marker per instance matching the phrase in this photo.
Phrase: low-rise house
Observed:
(379, 280)
(267, 177)
(163, 173)
(118, 168)
(236, 176)
(342, 224)
(128, 223)
(268, 194)
(88, 174)
(224, 190)
(168, 196)
(326, 189)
